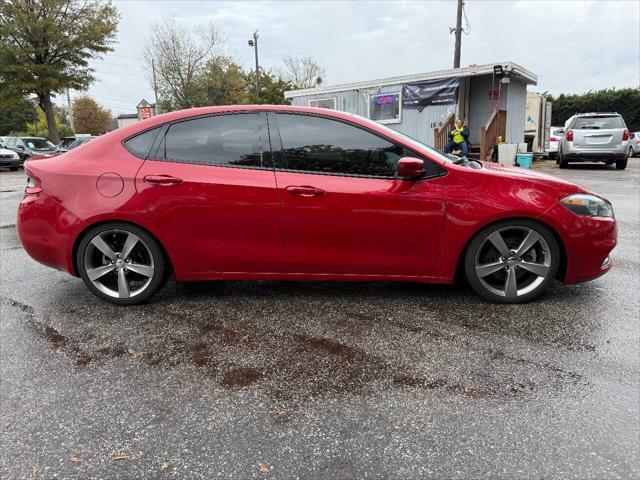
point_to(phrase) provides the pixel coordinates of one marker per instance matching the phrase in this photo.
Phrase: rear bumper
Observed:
(594, 157)
(43, 235)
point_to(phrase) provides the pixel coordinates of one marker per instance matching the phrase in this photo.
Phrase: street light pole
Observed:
(254, 43)
(155, 85)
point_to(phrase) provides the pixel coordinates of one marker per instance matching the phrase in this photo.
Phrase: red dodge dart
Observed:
(289, 193)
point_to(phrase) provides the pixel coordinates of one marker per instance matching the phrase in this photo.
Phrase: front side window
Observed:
(385, 108)
(222, 140)
(321, 145)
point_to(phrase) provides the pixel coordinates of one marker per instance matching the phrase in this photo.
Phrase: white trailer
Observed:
(537, 124)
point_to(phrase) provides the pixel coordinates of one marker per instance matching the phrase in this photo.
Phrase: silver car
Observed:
(595, 137)
(634, 142)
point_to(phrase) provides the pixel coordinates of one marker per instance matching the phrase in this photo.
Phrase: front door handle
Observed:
(304, 190)
(162, 179)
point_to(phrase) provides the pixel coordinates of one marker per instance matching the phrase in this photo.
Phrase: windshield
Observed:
(39, 144)
(418, 144)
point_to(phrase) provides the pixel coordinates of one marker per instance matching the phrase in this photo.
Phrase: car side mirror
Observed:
(19, 147)
(410, 168)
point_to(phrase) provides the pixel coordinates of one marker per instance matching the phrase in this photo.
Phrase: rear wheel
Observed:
(562, 160)
(622, 163)
(512, 261)
(121, 263)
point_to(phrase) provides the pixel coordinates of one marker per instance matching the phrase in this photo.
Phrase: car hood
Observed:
(544, 180)
(5, 151)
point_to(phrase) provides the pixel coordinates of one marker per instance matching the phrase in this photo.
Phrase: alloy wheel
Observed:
(119, 263)
(513, 261)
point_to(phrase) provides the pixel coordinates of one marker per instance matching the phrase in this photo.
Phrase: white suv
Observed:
(594, 137)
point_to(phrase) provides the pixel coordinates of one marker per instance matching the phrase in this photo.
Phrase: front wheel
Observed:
(622, 164)
(512, 261)
(121, 263)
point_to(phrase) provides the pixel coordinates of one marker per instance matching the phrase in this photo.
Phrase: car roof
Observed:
(596, 113)
(157, 120)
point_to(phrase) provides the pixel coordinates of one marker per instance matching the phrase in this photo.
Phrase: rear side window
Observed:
(598, 122)
(222, 140)
(316, 144)
(138, 145)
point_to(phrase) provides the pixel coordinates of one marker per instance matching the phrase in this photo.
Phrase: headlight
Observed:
(587, 205)
(15, 156)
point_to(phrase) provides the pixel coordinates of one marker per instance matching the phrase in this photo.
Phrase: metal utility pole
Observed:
(456, 55)
(254, 43)
(70, 111)
(155, 85)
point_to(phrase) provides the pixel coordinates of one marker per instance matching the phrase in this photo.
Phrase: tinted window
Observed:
(598, 122)
(231, 140)
(138, 145)
(321, 145)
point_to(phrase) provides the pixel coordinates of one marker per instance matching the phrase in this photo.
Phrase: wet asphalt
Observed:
(320, 380)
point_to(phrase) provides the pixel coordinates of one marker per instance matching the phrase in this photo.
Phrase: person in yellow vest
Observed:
(458, 139)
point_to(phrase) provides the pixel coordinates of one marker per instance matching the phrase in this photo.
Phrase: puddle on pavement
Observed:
(241, 377)
(293, 368)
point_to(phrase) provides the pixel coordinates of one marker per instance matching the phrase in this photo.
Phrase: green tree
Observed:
(271, 85)
(89, 117)
(15, 114)
(224, 82)
(625, 101)
(46, 45)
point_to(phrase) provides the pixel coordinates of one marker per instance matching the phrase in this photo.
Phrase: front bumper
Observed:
(588, 242)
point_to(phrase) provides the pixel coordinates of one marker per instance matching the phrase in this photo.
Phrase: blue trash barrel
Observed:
(524, 160)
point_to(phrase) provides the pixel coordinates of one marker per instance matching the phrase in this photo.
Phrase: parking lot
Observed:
(320, 380)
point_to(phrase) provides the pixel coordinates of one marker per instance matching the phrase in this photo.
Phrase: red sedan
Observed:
(279, 192)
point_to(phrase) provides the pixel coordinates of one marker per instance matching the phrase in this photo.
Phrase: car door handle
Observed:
(304, 190)
(162, 179)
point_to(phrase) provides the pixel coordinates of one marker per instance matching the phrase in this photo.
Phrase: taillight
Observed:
(553, 139)
(569, 136)
(625, 135)
(33, 186)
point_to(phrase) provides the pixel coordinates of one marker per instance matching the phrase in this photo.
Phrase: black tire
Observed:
(13, 169)
(562, 161)
(622, 163)
(538, 283)
(148, 247)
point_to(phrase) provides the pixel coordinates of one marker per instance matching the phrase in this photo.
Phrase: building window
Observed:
(323, 103)
(385, 107)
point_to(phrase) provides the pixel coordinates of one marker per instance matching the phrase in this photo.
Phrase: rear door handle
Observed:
(162, 179)
(304, 190)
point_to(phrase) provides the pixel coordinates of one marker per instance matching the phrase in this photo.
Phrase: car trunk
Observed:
(598, 131)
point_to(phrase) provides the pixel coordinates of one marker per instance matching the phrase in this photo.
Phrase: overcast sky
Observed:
(573, 46)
